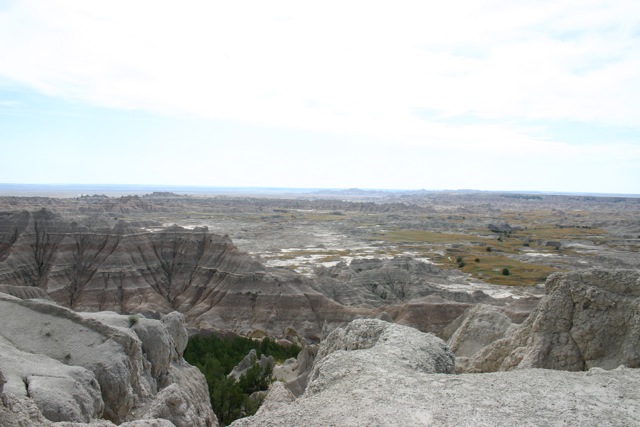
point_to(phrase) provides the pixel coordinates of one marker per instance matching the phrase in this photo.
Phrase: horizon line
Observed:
(301, 190)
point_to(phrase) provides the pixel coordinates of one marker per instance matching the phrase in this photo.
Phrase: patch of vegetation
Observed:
(216, 357)
(412, 236)
(490, 269)
(133, 320)
(329, 216)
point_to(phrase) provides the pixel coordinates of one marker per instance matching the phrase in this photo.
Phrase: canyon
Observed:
(411, 279)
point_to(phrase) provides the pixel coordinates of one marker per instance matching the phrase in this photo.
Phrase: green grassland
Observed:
(494, 251)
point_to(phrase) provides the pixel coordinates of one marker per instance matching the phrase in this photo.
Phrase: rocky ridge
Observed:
(376, 373)
(571, 363)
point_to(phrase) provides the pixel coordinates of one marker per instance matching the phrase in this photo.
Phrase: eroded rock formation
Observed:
(91, 265)
(129, 270)
(478, 327)
(588, 318)
(251, 359)
(376, 373)
(78, 367)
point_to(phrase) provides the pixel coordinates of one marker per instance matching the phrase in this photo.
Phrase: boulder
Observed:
(588, 318)
(478, 327)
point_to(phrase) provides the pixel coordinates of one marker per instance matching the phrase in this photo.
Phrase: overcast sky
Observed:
(489, 95)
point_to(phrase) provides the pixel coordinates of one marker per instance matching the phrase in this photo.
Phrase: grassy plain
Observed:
(493, 251)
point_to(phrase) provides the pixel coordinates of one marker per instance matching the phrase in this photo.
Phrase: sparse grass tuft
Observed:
(133, 320)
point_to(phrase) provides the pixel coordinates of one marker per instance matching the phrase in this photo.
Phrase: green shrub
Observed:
(216, 357)
(133, 320)
(505, 271)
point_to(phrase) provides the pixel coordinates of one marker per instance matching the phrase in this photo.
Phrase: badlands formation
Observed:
(411, 326)
(61, 366)
(203, 275)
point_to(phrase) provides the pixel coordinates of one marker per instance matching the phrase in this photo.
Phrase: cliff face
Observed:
(74, 262)
(588, 318)
(95, 267)
(131, 270)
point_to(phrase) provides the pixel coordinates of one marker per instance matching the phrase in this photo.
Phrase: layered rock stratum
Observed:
(130, 270)
(61, 366)
(91, 265)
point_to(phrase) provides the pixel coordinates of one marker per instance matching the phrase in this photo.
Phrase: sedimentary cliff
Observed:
(90, 265)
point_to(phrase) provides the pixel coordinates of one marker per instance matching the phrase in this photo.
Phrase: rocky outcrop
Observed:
(174, 323)
(24, 292)
(379, 282)
(373, 345)
(79, 367)
(478, 327)
(411, 292)
(185, 401)
(278, 397)
(588, 318)
(250, 360)
(372, 373)
(294, 373)
(61, 392)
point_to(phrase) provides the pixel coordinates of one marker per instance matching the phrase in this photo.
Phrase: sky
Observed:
(487, 95)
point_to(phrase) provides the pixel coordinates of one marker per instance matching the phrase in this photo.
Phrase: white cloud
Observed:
(354, 67)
